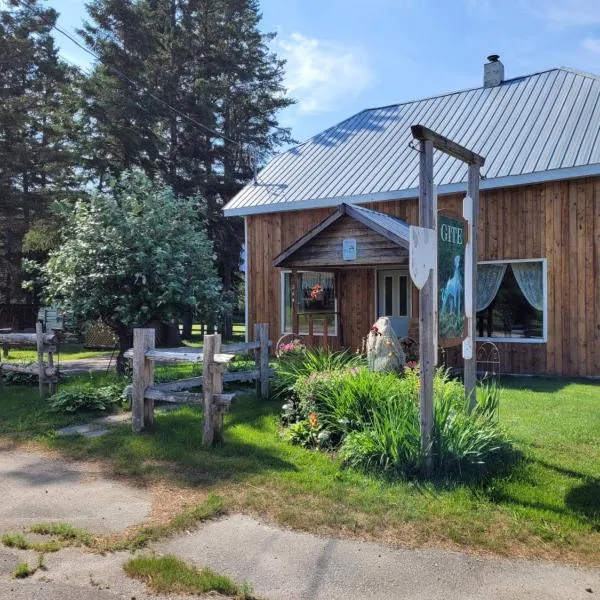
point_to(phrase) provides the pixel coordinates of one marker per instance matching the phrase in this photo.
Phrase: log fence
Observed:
(215, 359)
(45, 343)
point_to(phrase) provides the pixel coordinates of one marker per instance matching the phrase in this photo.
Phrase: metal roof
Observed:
(382, 222)
(534, 128)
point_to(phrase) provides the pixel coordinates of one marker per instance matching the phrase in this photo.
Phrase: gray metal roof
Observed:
(383, 222)
(534, 128)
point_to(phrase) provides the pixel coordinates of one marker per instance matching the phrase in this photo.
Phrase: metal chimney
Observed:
(493, 72)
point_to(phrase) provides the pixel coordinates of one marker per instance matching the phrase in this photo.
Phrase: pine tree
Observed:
(185, 89)
(38, 101)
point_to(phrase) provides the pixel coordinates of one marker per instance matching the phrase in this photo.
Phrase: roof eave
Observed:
(450, 188)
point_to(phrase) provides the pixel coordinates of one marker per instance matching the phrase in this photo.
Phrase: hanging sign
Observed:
(349, 249)
(421, 255)
(451, 244)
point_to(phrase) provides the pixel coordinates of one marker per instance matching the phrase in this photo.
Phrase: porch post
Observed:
(295, 292)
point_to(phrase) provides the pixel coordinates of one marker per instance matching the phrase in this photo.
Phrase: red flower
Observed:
(315, 291)
(313, 420)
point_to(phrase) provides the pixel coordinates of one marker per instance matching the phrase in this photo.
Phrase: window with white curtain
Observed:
(316, 297)
(511, 300)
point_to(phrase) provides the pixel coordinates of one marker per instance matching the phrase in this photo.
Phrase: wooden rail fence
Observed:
(45, 343)
(214, 358)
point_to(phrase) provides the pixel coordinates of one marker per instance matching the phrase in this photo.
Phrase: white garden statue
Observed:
(384, 352)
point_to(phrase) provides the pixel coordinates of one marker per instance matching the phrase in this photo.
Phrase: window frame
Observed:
(509, 340)
(330, 332)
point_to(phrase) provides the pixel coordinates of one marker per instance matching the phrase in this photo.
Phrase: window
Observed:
(316, 301)
(511, 300)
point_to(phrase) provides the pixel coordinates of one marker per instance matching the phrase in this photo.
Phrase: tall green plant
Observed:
(132, 256)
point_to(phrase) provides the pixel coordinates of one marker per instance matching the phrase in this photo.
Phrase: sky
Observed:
(347, 55)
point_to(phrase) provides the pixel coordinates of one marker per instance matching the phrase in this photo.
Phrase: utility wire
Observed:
(127, 78)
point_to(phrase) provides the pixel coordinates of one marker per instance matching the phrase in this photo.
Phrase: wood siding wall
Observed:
(559, 221)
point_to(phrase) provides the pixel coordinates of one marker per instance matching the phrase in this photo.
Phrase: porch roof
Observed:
(380, 239)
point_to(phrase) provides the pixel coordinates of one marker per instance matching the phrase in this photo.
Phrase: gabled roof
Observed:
(534, 128)
(394, 229)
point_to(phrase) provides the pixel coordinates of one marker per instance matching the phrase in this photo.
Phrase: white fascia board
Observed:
(450, 188)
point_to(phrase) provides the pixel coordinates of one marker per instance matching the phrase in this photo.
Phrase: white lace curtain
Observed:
(530, 277)
(489, 278)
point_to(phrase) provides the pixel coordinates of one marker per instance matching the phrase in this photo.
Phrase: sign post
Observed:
(451, 248)
(470, 211)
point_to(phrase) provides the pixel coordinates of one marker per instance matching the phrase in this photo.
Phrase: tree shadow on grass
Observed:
(547, 385)
(582, 499)
(173, 450)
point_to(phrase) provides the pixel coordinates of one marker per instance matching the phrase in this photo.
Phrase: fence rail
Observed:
(214, 358)
(45, 343)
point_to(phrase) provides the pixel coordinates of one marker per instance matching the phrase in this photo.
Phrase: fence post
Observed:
(217, 384)
(142, 411)
(39, 332)
(262, 334)
(53, 378)
(208, 373)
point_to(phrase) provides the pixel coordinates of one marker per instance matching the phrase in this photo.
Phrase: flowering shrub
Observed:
(372, 419)
(294, 346)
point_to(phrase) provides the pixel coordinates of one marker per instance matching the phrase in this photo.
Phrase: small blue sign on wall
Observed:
(349, 249)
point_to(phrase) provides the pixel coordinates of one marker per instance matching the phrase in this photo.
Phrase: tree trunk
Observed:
(187, 322)
(125, 336)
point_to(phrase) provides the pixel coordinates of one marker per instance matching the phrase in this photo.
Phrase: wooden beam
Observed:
(39, 334)
(426, 307)
(212, 343)
(143, 377)
(446, 145)
(263, 336)
(32, 369)
(26, 339)
(470, 365)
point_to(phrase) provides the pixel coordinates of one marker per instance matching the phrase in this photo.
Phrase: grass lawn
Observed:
(66, 352)
(548, 506)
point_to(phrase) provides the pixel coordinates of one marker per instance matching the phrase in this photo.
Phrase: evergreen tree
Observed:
(185, 89)
(38, 132)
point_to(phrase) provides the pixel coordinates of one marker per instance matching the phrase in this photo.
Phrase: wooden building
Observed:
(328, 219)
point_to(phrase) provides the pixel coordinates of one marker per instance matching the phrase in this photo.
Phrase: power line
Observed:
(127, 78)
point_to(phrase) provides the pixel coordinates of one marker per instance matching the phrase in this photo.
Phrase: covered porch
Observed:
(344, 273)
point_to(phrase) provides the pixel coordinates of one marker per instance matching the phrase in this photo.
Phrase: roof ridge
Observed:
(443, 95)
(479, 87)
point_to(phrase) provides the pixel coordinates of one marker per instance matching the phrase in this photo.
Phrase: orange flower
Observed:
(313, 420)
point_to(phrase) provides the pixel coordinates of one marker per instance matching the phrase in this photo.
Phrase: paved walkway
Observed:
(36, 488)
(279, 564)
(286, 565)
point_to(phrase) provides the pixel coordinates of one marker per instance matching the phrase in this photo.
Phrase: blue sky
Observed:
(346, 55)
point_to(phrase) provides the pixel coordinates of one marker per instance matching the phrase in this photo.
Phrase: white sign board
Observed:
(349, 249)
(422, 254)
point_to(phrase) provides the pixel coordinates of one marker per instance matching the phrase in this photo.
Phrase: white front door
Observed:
(393, 299)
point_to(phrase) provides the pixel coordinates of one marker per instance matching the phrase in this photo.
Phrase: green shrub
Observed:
(374, 420)
(87, 397)
(12, 378)
(294, 365)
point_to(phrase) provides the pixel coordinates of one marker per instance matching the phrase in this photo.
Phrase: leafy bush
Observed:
(373, 418)
(294, 365)
(12, 378)
(87, 397)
